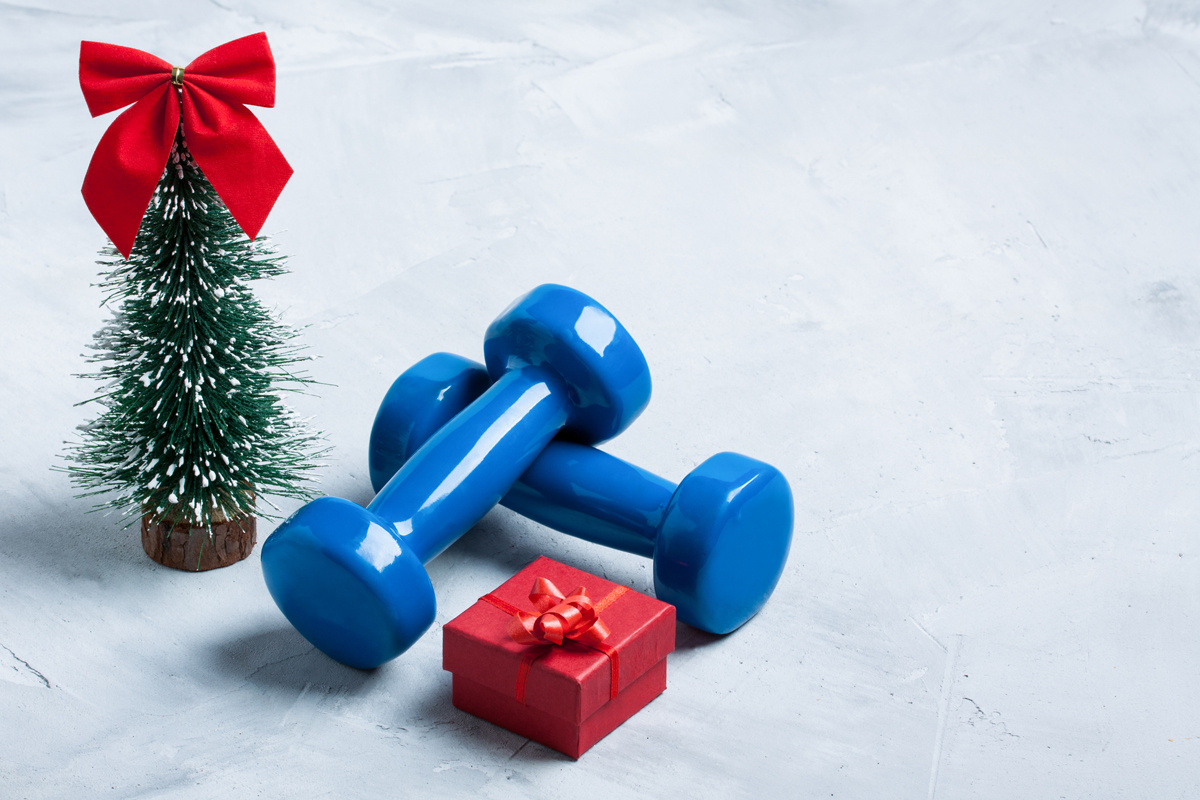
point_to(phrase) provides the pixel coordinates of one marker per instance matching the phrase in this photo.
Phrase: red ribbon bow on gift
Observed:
(572, 618)
(228, 142)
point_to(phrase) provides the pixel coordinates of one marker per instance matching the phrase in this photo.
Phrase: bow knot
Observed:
(228, 142)
(562, 617)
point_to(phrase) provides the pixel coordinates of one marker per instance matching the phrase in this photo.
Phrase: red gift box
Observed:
(566, 696)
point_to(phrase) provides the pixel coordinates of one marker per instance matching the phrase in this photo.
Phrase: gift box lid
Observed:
(570, 681)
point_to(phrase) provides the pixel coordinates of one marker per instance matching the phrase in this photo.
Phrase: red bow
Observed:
(571, 618)
(228, 142)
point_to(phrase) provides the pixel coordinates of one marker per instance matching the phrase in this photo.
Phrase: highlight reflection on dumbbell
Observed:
(352, 580)
(719, 539)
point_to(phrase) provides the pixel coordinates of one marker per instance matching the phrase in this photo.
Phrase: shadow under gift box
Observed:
(567, 704)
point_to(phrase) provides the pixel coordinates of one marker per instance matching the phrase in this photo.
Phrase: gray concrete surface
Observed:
(935, 260)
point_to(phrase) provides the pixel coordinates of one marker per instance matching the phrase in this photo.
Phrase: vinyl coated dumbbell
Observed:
(352, 580)
(719, 539)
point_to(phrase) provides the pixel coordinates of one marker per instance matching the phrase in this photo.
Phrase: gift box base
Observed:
(559, 734)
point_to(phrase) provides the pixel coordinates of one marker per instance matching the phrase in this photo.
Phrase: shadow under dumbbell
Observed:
(689, 638)
(278, 657)
(356, 493)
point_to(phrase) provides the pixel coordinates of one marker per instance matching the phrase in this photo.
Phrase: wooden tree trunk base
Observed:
(191, 550)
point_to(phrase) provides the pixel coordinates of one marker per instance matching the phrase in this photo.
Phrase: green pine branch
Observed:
(193, 430)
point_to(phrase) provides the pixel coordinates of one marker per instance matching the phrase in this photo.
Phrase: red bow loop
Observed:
(545, 595)
(230, 145)
(241, 71)
(112, 76)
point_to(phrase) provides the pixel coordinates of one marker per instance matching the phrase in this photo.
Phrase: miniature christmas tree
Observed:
(193, 431)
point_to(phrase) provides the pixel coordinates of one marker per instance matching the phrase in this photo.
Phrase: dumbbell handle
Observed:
(573, 488)
(592, 495)
(464, 469)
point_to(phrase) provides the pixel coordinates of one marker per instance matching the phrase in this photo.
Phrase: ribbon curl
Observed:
(570, 618)
(209, 95)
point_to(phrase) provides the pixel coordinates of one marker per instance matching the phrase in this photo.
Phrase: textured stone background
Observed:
(935, 260)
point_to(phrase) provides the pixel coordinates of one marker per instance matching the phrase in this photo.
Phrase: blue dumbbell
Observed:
(719, 539)
(353, 580)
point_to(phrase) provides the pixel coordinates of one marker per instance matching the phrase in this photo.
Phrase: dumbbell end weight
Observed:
(418, 404)
(348, 583)
(606, 375)
(723, 541)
